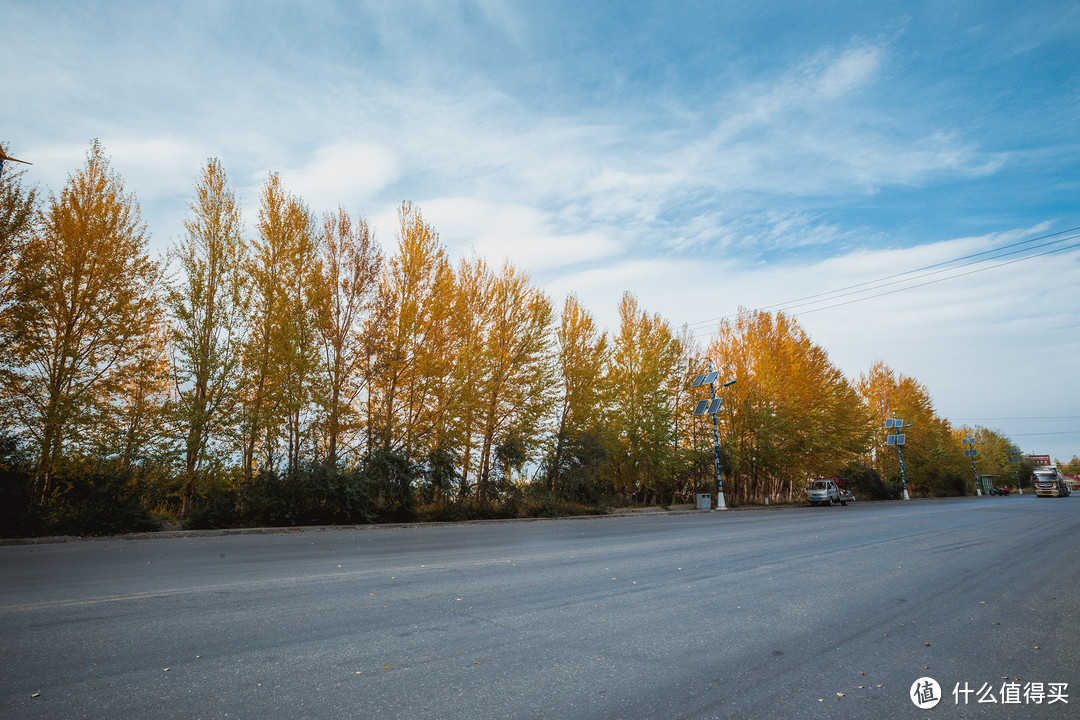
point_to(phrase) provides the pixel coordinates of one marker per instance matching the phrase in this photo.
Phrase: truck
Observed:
(825, 491)
(1049, 482)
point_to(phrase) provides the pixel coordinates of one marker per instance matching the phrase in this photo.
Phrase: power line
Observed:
(924, 268)
(943, 270)
(1001, 419)
(934, 282)
(919, 273)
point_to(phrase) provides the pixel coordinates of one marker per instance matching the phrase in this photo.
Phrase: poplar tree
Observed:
(410, 340)
(643, 370)
(929, 445)
(581, 361)
(349, 268)
(279, 350)
(18, 214)
(470, 320)
(794, 414)
(517, 388)
(83, 313)
(207, 301)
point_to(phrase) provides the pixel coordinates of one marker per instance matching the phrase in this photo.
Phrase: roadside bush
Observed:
(866, 483)
(216, 507)
(382, 489)
(96, 500)
(946, 483)
(313, 495)
(19, 515)
(390, 476)
(577, 475)
(440, 477)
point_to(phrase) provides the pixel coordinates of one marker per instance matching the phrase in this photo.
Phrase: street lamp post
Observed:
(4, 157)
(971, 452)
(711, 407)
(898, 439)
(1014, 459)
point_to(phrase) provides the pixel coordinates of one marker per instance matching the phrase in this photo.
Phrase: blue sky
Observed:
(704, 156)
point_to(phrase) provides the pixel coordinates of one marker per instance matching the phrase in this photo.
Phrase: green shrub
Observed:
(866, 483)
(96, 500)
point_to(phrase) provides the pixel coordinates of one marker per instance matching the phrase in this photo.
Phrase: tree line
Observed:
(293, 371)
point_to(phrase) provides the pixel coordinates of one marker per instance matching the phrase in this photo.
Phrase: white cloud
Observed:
(855, 68)
(157, 166)
(347, 173)
(698, 203)
(816, 130)
(525, 235)
(983, 343)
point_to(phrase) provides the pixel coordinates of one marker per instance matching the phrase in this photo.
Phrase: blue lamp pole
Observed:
(1014, 459)
(971, 452)
(711, 407)
(4, 157)
(898, 439)
(720, 504)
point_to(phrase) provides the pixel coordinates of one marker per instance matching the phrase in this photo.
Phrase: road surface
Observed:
(782, 613)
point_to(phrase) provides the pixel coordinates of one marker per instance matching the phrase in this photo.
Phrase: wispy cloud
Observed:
(346, 173)
(703, 159)
(521, 234)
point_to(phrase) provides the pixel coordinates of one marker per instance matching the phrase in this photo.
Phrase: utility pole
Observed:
(711, 407)
(1014, 459)
(971, 452)
(898, 439)
(4, 157)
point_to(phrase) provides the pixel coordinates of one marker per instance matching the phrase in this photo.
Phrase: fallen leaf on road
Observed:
(37, 694)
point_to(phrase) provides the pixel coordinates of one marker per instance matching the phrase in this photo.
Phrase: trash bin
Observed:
(704, 501)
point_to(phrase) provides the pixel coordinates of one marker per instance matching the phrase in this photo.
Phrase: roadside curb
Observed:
(301, 529)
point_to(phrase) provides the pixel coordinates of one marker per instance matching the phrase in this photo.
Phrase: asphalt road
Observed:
(783, 613)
